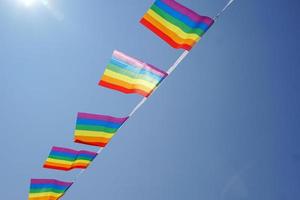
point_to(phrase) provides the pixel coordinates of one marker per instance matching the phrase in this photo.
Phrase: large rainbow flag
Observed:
(176, 24)
(67, 159)
(96, 130)
(129, 75)
(47, 189)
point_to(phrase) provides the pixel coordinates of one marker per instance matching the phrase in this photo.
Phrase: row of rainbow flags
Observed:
(174, 23)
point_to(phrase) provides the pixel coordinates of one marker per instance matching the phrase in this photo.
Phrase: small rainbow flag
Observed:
(47, 189)
(176, 24)
(96, 130)
(67, 159)
(129, 75)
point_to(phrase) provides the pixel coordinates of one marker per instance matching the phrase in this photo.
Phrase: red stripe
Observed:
(56, 167)
(163, 36)
(122, 89)
(99, 144)
(80, 166)
(63, 168)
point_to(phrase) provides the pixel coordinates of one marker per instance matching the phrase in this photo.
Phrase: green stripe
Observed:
(130, 74)
(176, 22)
(61, 158)
(96, 128)
(46, 190)
(84, 158)
(80, 157)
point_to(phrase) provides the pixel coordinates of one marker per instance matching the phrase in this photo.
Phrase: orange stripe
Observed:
(92, 139)
(43, 198)
(56, 167)
(80, 165)
(49, 164)
(58, 164)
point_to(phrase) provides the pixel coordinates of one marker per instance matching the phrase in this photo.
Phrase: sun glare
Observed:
(28, 3)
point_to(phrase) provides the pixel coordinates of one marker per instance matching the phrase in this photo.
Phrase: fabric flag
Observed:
(176, 24)
(47, 189)
(96, 130)
(67, 159)
(129, 75)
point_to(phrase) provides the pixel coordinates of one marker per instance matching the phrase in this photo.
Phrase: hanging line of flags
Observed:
(178, 26)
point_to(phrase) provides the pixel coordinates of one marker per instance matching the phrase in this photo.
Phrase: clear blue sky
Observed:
(224, 126)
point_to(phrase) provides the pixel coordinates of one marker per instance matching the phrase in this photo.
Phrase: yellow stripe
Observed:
(146, 86)
(66, 162)
(45, 194)
(172, 27)
(93, 134)
(86, 162)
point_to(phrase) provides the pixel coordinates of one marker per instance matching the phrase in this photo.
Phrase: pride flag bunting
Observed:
(129, 75)
(96, 130)
(176, 24)
(67, 159)
(47, 189)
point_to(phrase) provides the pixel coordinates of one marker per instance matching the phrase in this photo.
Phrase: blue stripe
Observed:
(97, 123)
(71, 156)
(88, 156)
(181, 16)
(44, 186)
(64, 154)
(131, 68)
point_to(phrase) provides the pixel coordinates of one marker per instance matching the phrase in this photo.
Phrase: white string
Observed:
(225, 8)
(169, 71)
(138, 106)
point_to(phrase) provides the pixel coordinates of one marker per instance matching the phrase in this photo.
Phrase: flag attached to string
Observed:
(67, 159)
(47, 189)
(176, 24)
(96, 130)
(129, 75)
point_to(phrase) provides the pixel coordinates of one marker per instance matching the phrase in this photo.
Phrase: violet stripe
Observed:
(102, 117)
(51, 181)
(88, 153)
(137, 63)
(188, 12)
(71, 151)
(65, 150)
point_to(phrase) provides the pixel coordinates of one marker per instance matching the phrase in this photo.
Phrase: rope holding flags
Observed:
(225, 8)
(178, 26)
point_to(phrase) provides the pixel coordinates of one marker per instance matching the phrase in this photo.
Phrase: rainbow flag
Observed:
(47, 189)
(96, 130)
(176, 24)
(67, 159)
(129, 75)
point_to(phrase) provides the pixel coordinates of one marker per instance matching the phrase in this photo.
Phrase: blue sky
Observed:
(224, 126)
